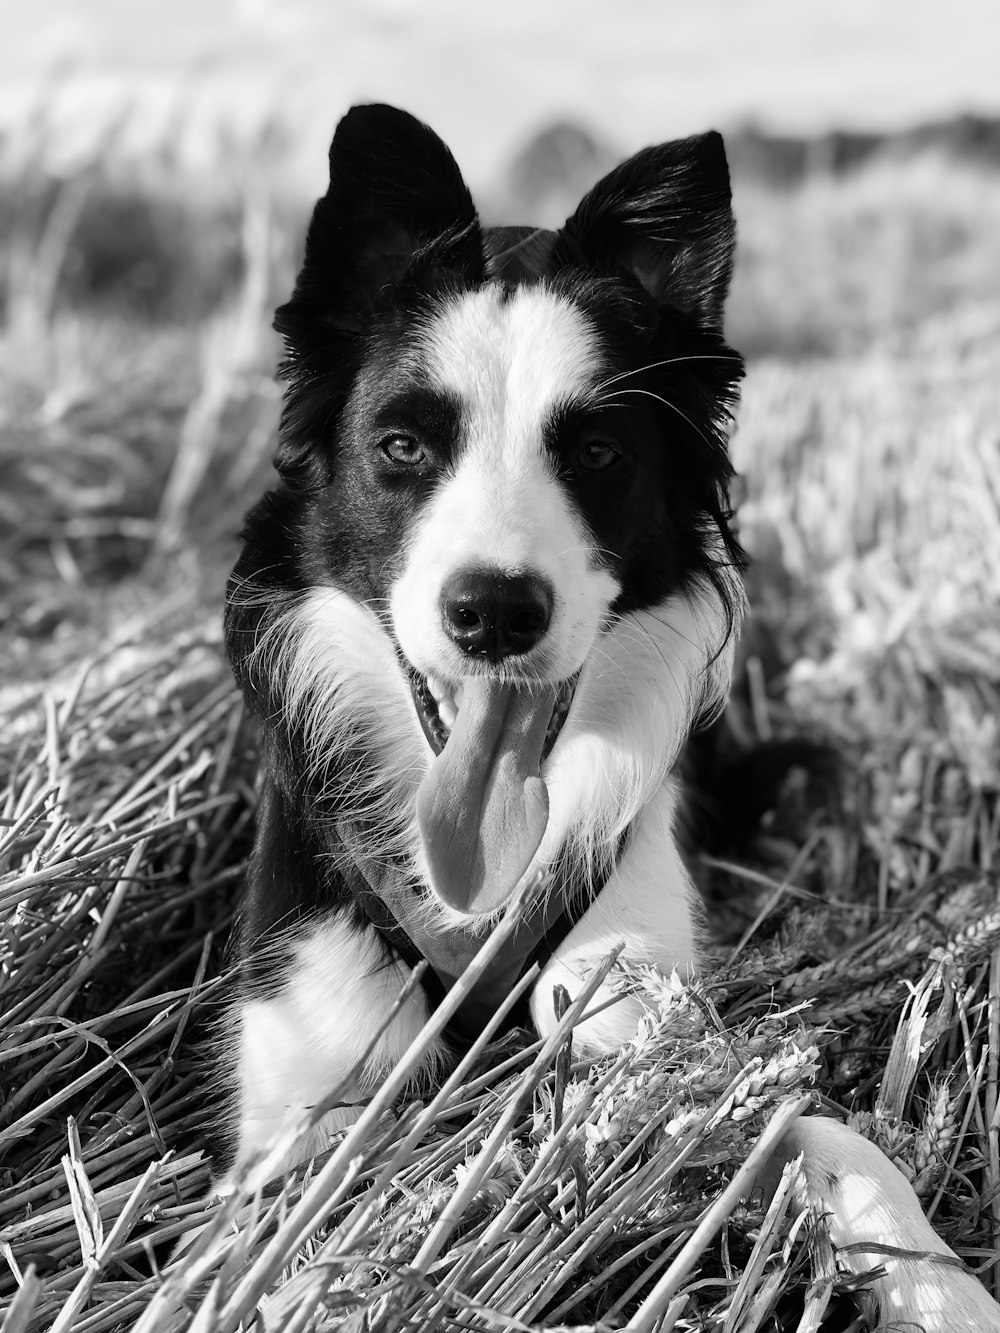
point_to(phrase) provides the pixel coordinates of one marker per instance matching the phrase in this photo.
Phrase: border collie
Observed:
(492, 594)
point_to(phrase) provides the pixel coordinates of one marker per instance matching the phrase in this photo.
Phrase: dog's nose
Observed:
(493, 615)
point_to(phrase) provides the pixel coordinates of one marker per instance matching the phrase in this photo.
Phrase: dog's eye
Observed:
(402, 449)
(597, 455)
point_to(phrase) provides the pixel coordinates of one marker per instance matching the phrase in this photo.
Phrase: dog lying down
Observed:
(492, 593)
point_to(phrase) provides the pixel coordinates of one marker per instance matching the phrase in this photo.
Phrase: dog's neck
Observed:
(395, 905)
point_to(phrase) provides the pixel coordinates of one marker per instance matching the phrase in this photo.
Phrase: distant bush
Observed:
(157, 257)
(93, 240)
(786, 159)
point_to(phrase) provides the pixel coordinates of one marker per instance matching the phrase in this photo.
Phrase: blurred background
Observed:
(156, 172)
(158, 163)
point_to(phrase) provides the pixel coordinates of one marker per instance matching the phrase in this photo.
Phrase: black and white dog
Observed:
(491, 595)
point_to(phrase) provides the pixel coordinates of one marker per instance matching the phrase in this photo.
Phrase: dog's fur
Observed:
(503, 488)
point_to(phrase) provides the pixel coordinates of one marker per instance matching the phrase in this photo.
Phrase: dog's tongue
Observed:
(482, 808)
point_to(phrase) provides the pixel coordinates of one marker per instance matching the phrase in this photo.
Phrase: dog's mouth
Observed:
(437, 705)
(482, 807)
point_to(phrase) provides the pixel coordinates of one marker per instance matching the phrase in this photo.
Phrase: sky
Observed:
(485, 74)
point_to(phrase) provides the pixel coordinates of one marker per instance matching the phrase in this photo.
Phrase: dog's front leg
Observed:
(296, 1041)
(650, 903)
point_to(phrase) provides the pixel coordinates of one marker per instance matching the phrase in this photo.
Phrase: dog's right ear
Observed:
(396, 196)
(396, 206)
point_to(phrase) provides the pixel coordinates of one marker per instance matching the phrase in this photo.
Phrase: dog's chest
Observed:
(395, 905)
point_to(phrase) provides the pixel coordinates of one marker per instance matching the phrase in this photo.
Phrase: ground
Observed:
(857, 942)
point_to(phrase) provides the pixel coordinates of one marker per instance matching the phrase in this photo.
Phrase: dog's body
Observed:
(492, 594)
(504, 490)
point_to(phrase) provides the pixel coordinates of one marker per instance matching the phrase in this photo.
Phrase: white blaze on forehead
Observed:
(511, 359)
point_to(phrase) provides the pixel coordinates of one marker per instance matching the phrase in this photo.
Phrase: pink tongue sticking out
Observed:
(482, 808)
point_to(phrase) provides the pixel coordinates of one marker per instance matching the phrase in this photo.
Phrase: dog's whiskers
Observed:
(665, 402)
(656, 365)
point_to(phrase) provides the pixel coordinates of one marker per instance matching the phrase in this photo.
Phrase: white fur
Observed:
(648, 903)
(645, 683)
(510, 362)
(867, 1200)
(294, 1048)
(342, 682)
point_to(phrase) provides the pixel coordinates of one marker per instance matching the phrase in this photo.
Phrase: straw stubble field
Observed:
(856, 957)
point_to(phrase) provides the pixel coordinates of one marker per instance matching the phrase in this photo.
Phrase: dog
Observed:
(496, 588)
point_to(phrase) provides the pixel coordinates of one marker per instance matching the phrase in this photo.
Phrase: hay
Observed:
(530, 1189)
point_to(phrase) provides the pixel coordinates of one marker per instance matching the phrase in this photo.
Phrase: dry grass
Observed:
(858, 956)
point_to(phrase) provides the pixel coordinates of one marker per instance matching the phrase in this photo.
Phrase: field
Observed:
(857, 941)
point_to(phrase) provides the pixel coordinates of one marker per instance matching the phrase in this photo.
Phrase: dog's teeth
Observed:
(447, 712)
(447, 703)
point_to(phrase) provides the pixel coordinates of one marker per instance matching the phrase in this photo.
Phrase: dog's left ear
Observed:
(664, 220)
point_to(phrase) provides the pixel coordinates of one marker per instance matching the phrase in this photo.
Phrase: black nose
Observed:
(493, 615)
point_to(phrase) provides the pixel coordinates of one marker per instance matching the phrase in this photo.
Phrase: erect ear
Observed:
(664, 219)
(396, 195)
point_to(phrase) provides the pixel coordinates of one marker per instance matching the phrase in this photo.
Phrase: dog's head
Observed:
(506, 441)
